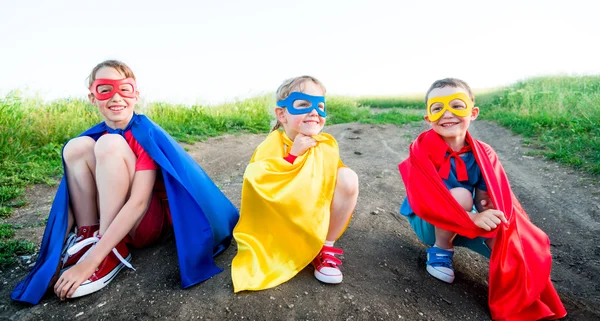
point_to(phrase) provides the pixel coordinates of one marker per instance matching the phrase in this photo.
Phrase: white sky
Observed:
(214, 51)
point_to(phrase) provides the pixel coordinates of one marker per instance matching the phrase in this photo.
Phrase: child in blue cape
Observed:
(126, 182)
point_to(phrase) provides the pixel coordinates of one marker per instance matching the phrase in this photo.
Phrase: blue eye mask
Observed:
(312, 103)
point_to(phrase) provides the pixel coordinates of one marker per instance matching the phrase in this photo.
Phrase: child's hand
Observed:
(301, 144)
(72, 278)
(488, 219)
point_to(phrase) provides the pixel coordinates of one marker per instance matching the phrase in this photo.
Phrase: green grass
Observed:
(194, 123)
(6, 231)
(558, 115)
(410, 102)
(393, 117)
(9, 250)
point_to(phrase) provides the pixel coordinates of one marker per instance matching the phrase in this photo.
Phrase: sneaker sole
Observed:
(440, 275)
(329, 279)
(91, 287)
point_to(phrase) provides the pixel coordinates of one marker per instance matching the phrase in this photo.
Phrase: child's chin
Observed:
(311, 132)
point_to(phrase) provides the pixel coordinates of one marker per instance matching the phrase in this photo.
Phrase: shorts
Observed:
(156, 225)
(426, 233)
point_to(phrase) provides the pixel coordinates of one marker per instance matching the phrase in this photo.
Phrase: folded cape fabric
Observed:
(285, 211)
(203, 217)
(519, 277)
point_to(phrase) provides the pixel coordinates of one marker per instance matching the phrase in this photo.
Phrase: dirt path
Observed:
(384, 265)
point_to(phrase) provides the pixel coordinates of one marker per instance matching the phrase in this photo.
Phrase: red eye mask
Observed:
(104, 89)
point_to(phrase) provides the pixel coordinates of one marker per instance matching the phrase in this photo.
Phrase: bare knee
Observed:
(347, 182)
(463, 197)
(78, 148)
(111, 145)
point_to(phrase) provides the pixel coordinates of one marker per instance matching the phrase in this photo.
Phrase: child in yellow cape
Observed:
(297, 196)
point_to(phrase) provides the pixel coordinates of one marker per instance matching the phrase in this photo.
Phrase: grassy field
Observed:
(559, 116)
(408, 102)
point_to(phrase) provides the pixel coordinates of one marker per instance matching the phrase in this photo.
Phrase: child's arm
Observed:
(482, 200)
(124, 221)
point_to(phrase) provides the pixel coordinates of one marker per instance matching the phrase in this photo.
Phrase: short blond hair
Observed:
(452, 82)
(119, 66)
(291, 85)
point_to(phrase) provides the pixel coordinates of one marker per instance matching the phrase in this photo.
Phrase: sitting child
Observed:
(297, 196)
(447, 173)
(126, 182)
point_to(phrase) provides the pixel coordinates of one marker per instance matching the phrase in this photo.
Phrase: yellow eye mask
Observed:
(435, 112)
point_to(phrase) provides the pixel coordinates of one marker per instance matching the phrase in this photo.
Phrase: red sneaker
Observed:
(107, 270)
(83, 233)
(326, 265)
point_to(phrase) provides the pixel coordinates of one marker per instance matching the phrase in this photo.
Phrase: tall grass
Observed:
(559, 115)
(408, 102)
(31, 137)
(194, 123)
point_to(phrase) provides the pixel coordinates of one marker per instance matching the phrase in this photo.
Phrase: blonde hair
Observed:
(452, 82)
(291, 85)
(121, 67)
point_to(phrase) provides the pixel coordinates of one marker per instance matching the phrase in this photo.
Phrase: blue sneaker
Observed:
(439, 264)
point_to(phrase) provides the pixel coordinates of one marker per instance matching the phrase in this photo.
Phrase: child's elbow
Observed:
(140, 205)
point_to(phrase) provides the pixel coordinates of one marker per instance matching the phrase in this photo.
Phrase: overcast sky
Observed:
(215, 51)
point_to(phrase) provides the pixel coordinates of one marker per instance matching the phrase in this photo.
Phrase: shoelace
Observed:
(94, 240)
(72, 239)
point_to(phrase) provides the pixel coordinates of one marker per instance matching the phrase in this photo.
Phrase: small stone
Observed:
(79, 314)
(272, 297)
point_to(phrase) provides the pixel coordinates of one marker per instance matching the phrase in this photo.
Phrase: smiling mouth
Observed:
(116, 108)
(448, 124)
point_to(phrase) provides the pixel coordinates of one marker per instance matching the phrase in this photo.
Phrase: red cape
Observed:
(519, 277)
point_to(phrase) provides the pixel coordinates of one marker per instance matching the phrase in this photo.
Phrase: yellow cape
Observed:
(284, 216)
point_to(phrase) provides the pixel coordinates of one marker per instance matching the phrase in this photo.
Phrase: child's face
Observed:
(116, 110)
(309, 124)
(449, 125)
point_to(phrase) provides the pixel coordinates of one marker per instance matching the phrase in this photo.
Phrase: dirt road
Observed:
(384, 264)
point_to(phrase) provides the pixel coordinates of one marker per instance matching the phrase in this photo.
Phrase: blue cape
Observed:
(203, 217)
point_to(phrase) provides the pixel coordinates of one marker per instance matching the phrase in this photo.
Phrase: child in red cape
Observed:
(446, 175)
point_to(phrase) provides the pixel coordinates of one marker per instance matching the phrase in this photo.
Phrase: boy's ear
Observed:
(280, 113)
(92, 99)
(426, 117)
(474, 112)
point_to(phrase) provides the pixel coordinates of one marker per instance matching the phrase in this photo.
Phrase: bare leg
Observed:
(443, 238)
(344, 201)
(80, 167)
(115, 167)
